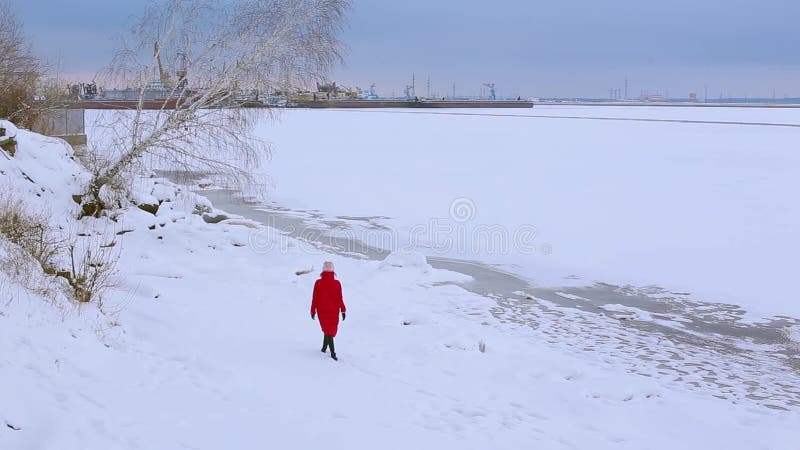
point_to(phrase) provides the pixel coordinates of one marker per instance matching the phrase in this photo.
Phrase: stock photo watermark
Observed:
(461, 234)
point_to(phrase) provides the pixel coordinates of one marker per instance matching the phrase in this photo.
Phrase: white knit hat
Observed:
(327, 266)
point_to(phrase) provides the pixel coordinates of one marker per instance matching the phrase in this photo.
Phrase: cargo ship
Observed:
(155, 95)
(329, 95)
(163, 92)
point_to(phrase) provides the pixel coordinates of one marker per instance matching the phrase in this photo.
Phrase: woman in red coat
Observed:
(327, 302)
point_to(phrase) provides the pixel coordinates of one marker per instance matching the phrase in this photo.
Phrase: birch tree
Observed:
(206, 56)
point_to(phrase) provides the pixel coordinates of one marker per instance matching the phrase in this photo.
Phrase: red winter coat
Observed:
(327, 303)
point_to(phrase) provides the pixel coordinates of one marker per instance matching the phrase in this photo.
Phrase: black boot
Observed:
(333, 350)
(325, 344)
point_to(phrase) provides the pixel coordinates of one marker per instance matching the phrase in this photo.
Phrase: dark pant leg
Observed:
(324, 344)
(330, 342)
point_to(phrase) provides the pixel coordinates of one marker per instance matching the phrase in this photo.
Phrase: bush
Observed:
(33, 249)
(92, 271)
(24, 271)
(30, 231)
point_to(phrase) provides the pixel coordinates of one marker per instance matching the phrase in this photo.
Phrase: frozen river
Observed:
(695, 202)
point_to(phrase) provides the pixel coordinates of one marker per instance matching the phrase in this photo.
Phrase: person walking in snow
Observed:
(327, 302)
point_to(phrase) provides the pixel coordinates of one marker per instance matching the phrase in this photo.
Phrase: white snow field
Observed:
(207, 343)
(704, 209)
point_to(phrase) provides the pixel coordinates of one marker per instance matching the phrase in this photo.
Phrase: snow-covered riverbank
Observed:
(696, 341)
(206, 343)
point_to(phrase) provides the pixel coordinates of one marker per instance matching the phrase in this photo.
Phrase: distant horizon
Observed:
(740, 50)
(479, 90)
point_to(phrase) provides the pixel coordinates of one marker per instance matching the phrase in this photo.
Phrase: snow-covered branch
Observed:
(203, 56)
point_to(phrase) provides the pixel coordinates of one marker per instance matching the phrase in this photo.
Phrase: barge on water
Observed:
(173, 103)
(165, 103)
(155, 95)
(158, 95)
(420, 103)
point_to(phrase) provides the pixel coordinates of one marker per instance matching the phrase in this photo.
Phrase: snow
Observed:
(207, 344)
(215, 349)
(703, 113)
(406, 259)
(793, 334)
(706, 209)
(11, 129)
(43, 171)
(627, 312)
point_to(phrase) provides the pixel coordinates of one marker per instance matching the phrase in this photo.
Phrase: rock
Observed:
(208, 218)
(152, 208)
(91, 209)
(201, 209)
(9, 145)
(66, 274)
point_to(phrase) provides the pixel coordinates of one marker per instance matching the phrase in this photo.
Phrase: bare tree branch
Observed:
(204, 57)
(20, 71)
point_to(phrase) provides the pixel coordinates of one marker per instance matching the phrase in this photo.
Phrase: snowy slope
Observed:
(44, 171)
(207, 344)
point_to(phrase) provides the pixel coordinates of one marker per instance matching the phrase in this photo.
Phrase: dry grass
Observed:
(32, 254)
(30, 231)
(23, 270)
(93, 268)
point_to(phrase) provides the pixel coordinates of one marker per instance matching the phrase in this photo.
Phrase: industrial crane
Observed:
(492, 93)
(163, 75)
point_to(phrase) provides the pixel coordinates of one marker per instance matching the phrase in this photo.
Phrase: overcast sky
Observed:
(528, 47)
